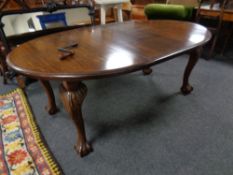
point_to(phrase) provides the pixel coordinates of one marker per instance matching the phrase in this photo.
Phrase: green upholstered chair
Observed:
(168, 11)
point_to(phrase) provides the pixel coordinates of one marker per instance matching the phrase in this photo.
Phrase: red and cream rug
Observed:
(22, 149)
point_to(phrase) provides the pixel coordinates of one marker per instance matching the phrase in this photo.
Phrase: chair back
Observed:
(19, 22)
(212, 10)
(205, 8)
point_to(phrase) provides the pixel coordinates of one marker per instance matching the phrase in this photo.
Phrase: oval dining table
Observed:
(105, 51)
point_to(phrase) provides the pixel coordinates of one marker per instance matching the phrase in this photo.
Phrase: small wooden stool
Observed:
(105, 4)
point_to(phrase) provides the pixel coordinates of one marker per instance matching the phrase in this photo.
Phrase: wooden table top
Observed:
(106, 50)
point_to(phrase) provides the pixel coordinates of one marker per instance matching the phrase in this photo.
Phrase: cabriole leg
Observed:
(73, 95)
(193, 58)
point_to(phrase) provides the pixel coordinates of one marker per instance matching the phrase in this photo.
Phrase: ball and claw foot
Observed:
(83, 149)
(52, 110)
(186, 89)
(147, 71)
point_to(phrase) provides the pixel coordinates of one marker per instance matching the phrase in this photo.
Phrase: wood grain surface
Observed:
(106, 50)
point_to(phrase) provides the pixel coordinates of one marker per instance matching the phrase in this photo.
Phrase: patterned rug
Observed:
(22, 150)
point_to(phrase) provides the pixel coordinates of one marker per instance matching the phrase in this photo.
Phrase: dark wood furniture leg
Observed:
(227, 38)
(73, 95)
(193, 58)
(21, 81)
(213, 45)
(51, 107)
(3, 70)
(147, 71)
